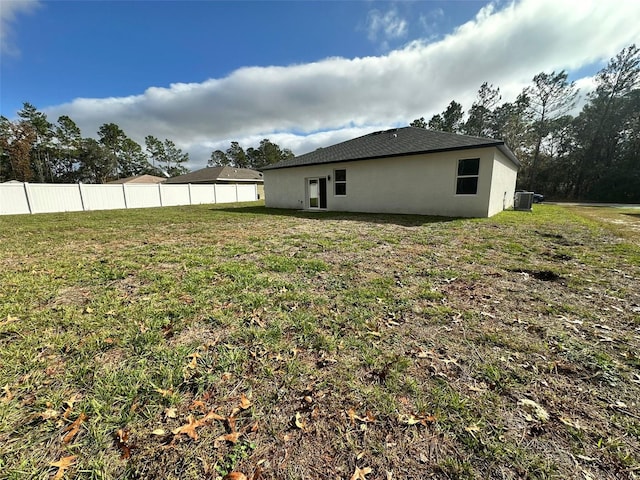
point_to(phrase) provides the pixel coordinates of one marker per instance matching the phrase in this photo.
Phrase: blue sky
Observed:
(304, 74)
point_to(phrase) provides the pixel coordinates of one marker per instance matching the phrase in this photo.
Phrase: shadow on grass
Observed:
(635, 215)
(382, 218)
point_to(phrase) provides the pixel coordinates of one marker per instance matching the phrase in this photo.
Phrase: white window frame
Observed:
(336, 182)
(459, 177)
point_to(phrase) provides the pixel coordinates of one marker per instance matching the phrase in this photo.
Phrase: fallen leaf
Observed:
(171, 412)
(164, 393)
(244, 402)
(229, 437)
(198, 405)
(122, 442)
(8, 395)
(63, 464)
(535, 409)
(189, 429)
(74, 428)
(50, 413)
(235, 476)
(300, 423)
(213, 416)
(413, 419)
(360, 473)
(158, 431)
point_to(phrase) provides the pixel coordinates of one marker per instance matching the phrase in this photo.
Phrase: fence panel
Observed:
(247, 193)
(49, 198)
(20, 198)
(174, 195)
(226, 193)
(203, 194)
(13, 200)
(102, 197)
(141, 196)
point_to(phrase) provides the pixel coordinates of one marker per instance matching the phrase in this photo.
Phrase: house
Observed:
(403, 170)
(148, 179)
(225, 175)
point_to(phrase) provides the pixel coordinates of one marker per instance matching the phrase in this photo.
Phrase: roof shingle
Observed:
(393, 143)
(218, 174)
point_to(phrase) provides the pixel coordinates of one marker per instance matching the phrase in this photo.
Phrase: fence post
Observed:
(160, 193)
(124, 195)
(237, 198)
(27, 196)
(81, 197)
(215, 193)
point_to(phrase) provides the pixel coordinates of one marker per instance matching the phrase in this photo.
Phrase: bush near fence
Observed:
(21, 198)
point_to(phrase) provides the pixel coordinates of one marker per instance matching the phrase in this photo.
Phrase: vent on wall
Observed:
(523, 201)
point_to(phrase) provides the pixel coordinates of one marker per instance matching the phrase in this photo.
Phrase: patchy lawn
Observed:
(190, 342)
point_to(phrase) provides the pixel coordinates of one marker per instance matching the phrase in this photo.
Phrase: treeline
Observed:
(32, 149)
(265, 154)
(592, 156)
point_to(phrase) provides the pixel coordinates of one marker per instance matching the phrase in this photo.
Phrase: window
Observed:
(467, 179)
(340, 182)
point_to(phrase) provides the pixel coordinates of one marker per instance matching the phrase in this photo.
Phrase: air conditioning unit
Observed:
(523, 201)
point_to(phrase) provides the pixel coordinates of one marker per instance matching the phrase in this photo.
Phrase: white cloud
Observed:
(389, 25)
(9, 11)
(305, 106)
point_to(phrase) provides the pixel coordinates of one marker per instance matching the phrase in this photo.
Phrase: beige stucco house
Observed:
(223, 175)
(404, 170)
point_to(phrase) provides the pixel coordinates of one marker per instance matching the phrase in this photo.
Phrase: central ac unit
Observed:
(523, 201)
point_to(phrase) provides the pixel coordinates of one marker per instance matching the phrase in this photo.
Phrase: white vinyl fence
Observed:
(18, 198)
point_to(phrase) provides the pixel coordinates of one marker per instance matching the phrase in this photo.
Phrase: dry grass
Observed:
(320, 344)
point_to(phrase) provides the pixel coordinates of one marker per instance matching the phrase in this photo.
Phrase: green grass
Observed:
(399, 343)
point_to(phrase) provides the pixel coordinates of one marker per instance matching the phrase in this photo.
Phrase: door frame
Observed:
(321, 199)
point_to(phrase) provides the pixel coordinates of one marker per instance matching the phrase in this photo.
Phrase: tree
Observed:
(267, 153)
(448, 121)
(174, 159)
(218, 159)
(481, 112)
(155, 150)
(41, 149)
(550, 97)
(16, 142)
(237, 155)
(606, 133)
(93, 167)
(419, 123)
(69, 141)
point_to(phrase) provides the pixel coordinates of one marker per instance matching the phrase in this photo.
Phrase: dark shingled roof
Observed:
(219, 174)
(393, 143)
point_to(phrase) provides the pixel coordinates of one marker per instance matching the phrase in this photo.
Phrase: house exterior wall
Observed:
(503, 184)
(416, 184)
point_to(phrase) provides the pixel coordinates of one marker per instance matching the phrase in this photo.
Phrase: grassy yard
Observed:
(190, 342)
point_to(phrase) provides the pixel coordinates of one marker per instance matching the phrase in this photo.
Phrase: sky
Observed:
(305, 74)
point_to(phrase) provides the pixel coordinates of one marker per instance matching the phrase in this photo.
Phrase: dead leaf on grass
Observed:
(360, 473)
(235, 476)
(158, 432)
(413, 419)
(171, 412)
(122, 442)
(229, 437)
(299, 421)
(198, 405)
(164, 393)
(7, 394)
(189, 429)
(74, 428)
(63, 464)
(244, 402)
(537, 410)
(50, 413)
